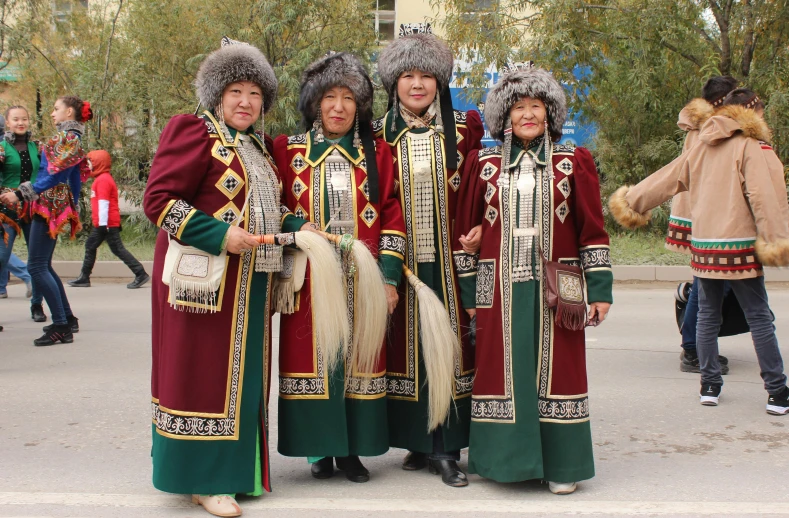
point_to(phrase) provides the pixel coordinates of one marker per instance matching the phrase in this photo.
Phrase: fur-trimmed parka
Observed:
(691, 119)
(738, 201)
(229, 64)
(536, 83)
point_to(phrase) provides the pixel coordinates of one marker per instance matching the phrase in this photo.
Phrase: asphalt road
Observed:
(75, 428)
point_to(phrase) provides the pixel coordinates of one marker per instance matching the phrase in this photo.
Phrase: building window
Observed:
(384, 20)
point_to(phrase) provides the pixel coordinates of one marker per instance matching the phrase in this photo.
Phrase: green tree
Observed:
(643, 60)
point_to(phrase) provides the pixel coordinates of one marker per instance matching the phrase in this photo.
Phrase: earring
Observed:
(318, 127)
(439, 119)
(395, 109)
(220, 113)
(262, 121)
(357, 142)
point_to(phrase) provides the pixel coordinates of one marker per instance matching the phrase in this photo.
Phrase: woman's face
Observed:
(242, 103)
(18, 121)
(62, 112)
(338, 110)
(528, 118)
(416, 90)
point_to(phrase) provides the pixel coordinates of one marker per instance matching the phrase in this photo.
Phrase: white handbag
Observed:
(193, 275)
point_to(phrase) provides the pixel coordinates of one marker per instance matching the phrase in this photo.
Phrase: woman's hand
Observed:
(311, 227)
(472, 240)
(9, 198)
(239, 239)
(392, 297)
(597, 312)
(472, 312)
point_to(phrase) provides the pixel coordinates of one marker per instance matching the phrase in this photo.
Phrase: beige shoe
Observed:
(218, 505)
(562, 488)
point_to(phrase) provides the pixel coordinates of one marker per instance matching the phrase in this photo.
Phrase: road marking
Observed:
(552, 506)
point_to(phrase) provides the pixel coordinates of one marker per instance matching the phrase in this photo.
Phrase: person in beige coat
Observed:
(740, 215)
(691, 119)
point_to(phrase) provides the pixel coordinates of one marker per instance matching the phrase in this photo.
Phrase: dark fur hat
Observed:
(336, 69)
(536, 83)
(423, 52)
(235, 61)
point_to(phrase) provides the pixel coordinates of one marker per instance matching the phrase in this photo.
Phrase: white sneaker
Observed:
(562, 488)
(709, 395)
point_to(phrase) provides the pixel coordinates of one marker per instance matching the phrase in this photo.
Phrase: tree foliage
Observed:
(640, 61)
(136, 61)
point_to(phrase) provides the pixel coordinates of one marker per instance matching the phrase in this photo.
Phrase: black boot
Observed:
(353, 468)
(139, 281)
(58, 333)
(73, 322)
(451, 474)
(37, 313)
(83, 281)
(324, 468)
(415, 461)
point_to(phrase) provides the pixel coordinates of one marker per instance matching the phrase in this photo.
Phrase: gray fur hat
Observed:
(420, 51)
(235, 61)
(335, 69)
(537, 83)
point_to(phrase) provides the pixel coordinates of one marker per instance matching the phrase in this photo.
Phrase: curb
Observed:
(646, 273)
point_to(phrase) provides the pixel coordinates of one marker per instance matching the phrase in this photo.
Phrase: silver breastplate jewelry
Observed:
(424, 202)
(526, 180)
(264, 203)
(340, 193)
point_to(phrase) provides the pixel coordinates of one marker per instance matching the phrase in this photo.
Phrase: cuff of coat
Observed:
(600, 286)
(204, 232)
(391, 267)
(468, 290)
(291, 223)
(26, 192)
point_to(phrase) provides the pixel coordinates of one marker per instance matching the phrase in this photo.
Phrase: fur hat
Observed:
(235, 61)
(535, 82)
(335, 69)
(419, 51)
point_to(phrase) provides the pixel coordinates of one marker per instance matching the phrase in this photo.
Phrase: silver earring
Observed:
(220, 113)
(317, 125)
(395, 109)
(439, 119)
(357, 142)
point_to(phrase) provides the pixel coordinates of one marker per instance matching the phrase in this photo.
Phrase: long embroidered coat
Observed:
(408, 386)
(530, 404)
(316, 418)
(210, 372)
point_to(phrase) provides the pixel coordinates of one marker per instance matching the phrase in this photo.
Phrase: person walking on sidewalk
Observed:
(732, 166)
(106, 223)
(20, 160)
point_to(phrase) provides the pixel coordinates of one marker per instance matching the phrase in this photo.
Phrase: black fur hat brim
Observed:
(536, 83)
(339, 69)
(230, 64)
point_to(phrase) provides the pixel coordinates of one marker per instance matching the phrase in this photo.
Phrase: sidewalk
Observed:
(116, 269)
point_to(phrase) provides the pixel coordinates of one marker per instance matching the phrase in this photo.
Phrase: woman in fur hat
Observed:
(733, 166)
(429, 141)
(537, 201)
(338, 176)
(213, 186)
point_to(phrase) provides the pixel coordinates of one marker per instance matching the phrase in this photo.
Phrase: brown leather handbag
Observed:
(564, 293)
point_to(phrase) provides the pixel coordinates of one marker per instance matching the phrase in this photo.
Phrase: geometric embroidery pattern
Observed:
(229, 213)
(230, 183)
(300, 212)
(564, 187)
(298, 164)
(488, 171)
(365, 188)
(221, 153)
(491, 214)
(489, 192)
(298, 187)
(454, 181)
(369, 215)
(562, 211)
(565, 165)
